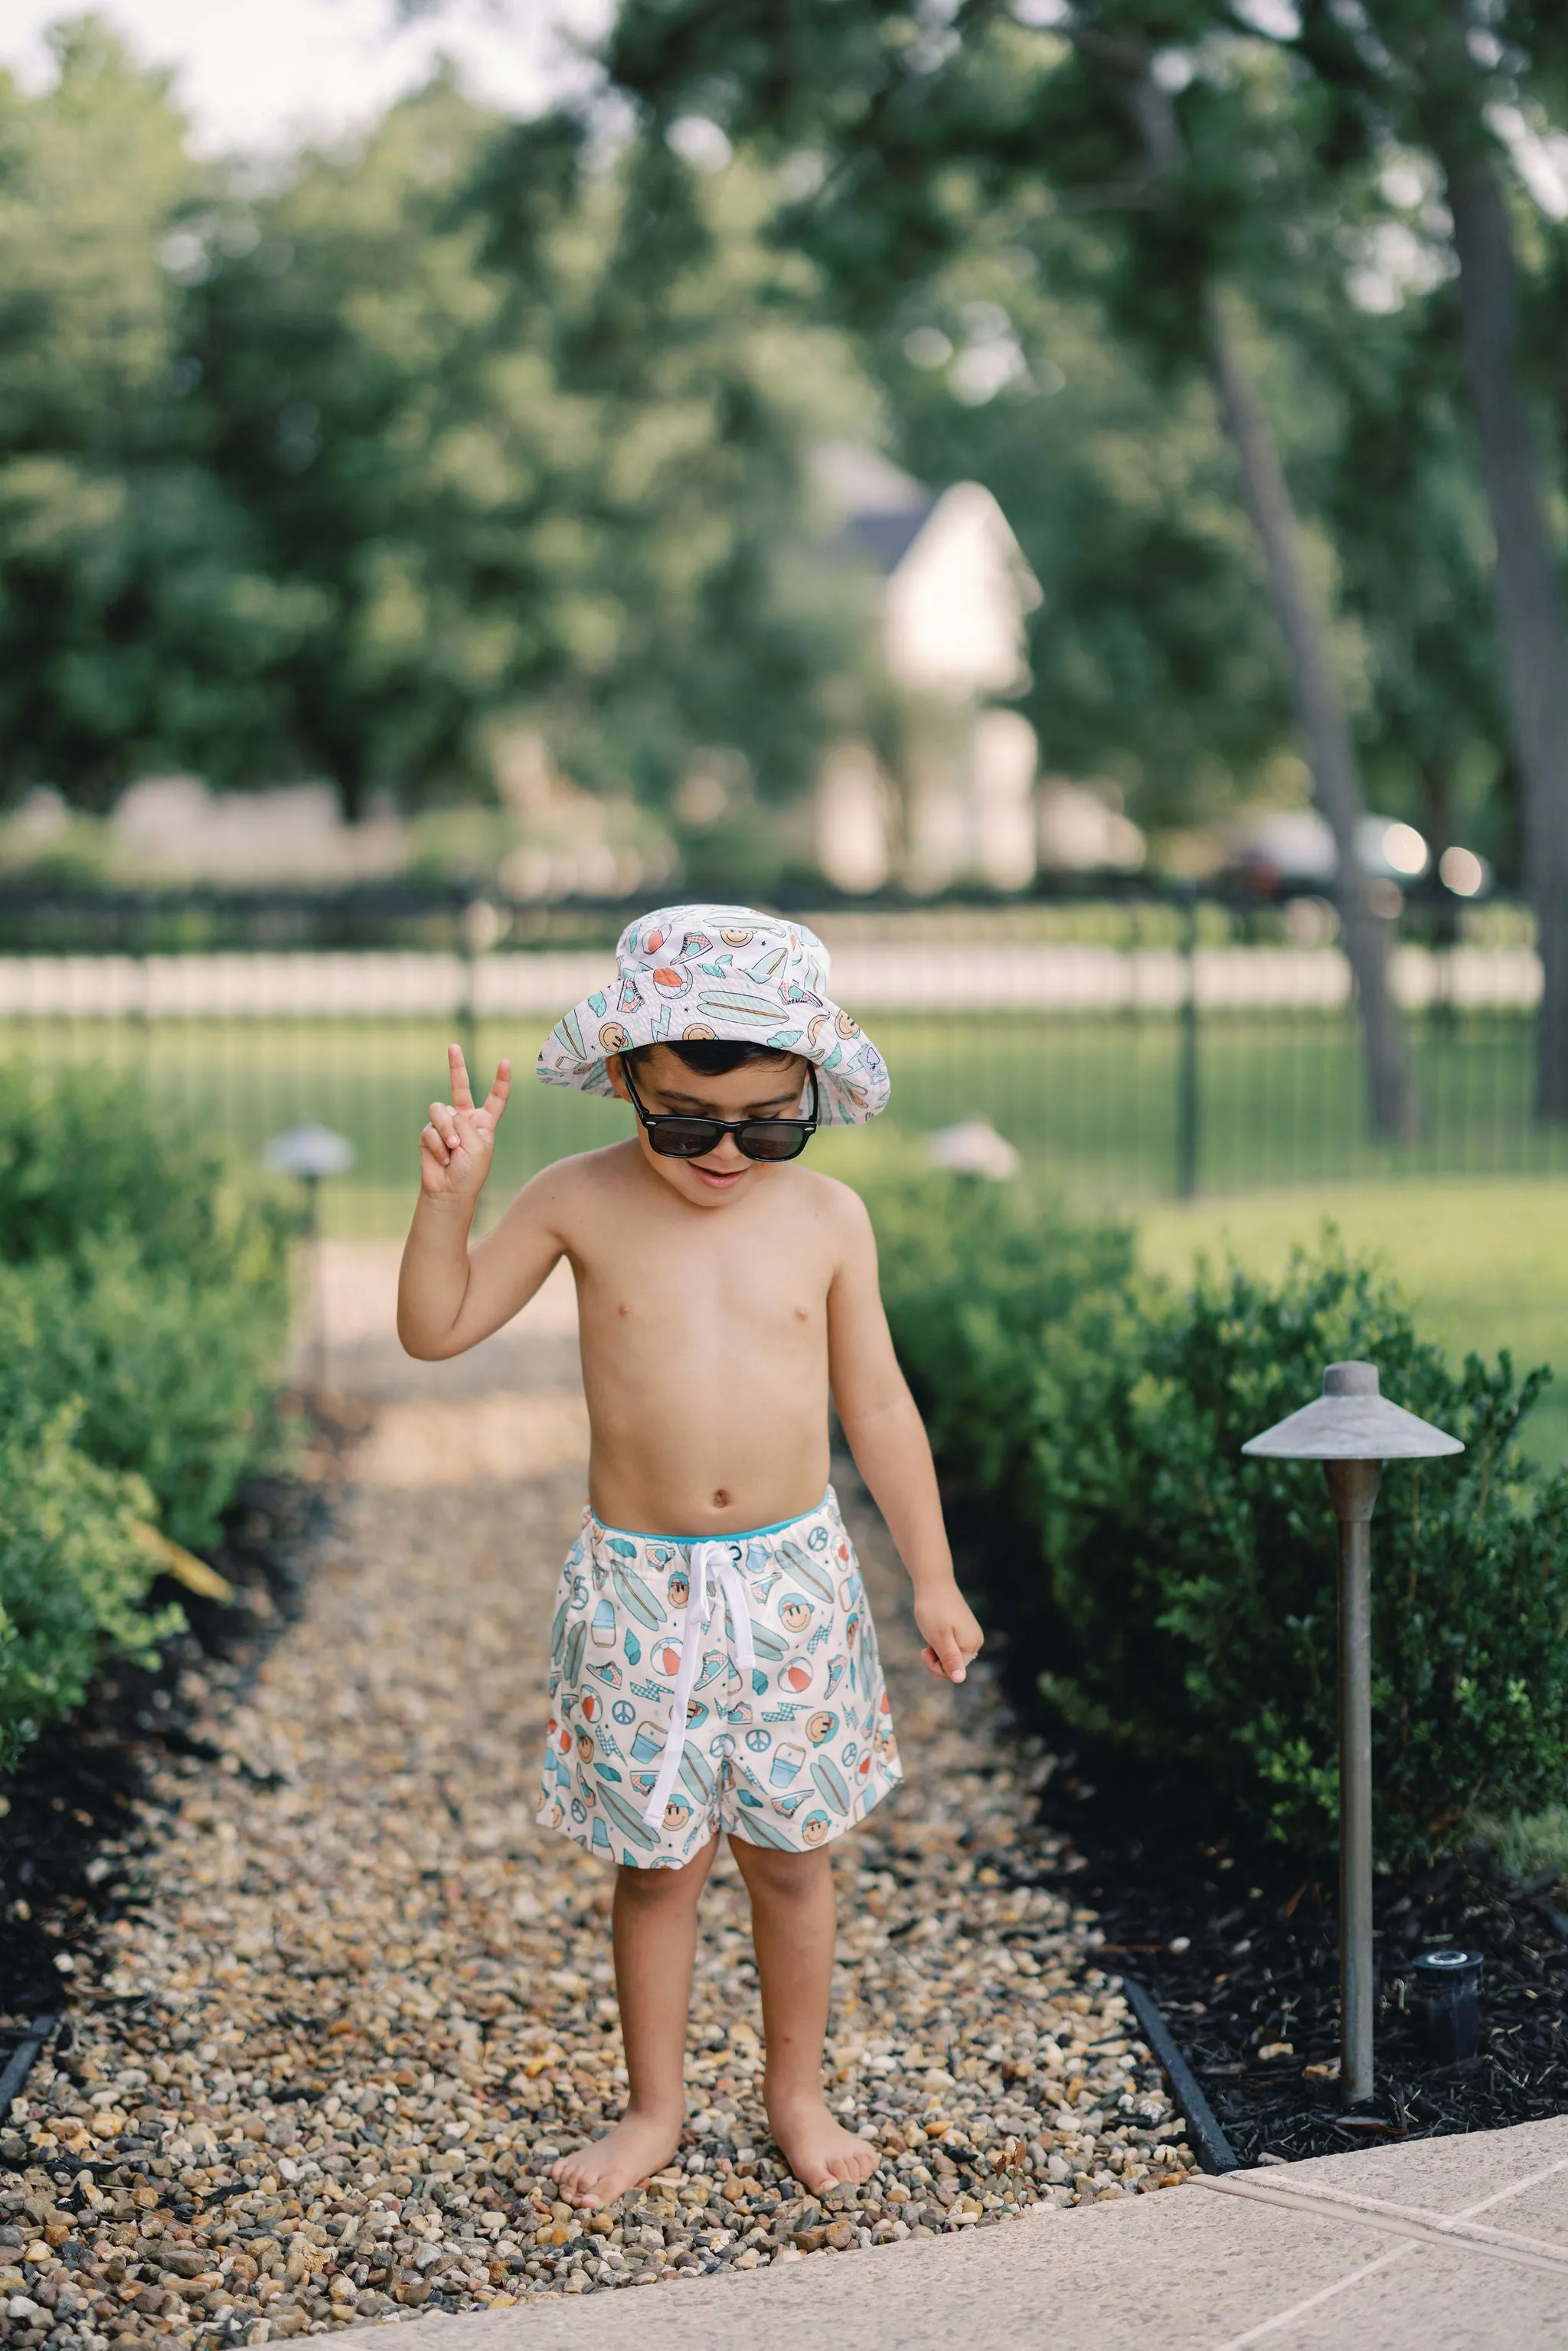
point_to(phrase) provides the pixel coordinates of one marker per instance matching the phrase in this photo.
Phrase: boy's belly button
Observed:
(721, 1497)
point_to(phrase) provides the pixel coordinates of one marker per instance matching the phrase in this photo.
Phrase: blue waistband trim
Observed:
(737, 1535)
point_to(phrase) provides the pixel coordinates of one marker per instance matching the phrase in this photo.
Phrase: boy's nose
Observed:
(725, 1154)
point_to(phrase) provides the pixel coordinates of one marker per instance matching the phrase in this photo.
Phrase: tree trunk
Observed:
(1319, 714)
(1524, 577)
(1391, 1095)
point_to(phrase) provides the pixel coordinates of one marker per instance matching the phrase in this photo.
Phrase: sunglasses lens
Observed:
(767, 1138)
(683, 1138)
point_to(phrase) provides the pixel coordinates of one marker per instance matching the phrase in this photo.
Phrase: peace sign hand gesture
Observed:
(456, 1147)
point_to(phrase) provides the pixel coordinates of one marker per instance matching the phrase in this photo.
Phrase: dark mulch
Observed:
(69, 1838)
(1242, 1955)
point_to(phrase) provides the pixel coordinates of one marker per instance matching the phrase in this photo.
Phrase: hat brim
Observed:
(852, 1076)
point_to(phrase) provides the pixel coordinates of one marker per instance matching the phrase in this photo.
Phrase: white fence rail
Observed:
(879, 979)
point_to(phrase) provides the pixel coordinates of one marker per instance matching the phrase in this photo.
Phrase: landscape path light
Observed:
(1353, 1429)
(311, 1152)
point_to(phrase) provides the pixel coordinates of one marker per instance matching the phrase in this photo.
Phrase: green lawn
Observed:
(1486, 1263)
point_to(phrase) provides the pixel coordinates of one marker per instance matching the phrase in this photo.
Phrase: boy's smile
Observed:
(669, 1090)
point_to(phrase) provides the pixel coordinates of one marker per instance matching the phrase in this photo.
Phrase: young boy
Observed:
(714, 1668)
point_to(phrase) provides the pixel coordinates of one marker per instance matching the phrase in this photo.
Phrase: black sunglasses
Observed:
(678, 1136)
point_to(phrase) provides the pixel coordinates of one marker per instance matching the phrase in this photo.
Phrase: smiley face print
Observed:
(821, 1727)
(795, 1613)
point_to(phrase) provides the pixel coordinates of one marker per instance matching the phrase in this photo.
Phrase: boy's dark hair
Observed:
(710, 1056)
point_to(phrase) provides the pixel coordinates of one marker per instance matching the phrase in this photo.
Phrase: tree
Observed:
(1428, 74)
(913, 121)
(443, 432)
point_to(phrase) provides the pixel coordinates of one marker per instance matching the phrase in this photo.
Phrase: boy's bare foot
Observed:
(597, 2174)
(820, 2153)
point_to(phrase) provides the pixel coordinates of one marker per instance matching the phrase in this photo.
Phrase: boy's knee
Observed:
(779, 1873)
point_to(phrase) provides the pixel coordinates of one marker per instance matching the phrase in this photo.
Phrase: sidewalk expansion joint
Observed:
(1402, 2220)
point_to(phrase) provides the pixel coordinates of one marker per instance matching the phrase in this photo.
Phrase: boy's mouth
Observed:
(718, 1179)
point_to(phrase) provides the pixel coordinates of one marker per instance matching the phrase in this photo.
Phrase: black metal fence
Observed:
(1127, 1051)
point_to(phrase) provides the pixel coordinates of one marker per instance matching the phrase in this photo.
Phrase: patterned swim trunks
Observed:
(702, 1685)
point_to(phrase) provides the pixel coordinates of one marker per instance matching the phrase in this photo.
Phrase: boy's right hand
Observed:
(456, 1147)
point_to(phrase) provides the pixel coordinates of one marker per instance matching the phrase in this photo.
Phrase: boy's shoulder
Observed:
(583, 1174)
(835, 1202)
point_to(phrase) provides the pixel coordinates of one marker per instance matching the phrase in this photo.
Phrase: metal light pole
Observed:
(310, 1153)
(1352, 1430)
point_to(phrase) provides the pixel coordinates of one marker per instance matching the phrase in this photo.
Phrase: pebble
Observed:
(352, 2003)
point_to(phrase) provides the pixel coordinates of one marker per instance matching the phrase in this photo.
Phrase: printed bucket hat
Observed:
(691, 973)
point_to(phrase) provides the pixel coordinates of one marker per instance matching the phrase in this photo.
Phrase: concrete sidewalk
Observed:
(1451, 2244)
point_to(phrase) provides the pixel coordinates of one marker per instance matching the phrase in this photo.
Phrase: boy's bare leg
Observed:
(792, 1925)
(655, 1932)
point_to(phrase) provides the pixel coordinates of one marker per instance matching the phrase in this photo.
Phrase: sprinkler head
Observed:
(1449, 1986)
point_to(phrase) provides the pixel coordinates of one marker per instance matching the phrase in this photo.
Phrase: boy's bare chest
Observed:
(704, 1294)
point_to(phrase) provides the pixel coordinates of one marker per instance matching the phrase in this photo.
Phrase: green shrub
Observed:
(143, 1308)
(73, 1577)
(1176, 1601)
(1199, 1586)
(172, 1376)
(971, 1274)
(141, 1280)
(85, 1156)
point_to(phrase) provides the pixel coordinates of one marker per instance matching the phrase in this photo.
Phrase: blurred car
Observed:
(1289, 853)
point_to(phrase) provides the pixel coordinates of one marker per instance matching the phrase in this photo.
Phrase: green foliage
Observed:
(169, 1372)
(436, 431)
(140, 1278)
(72, 1575)
(972, 1273)
(143, 1307)
(1175, 1600)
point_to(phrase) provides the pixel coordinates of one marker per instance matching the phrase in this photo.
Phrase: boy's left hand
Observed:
(953, 1636)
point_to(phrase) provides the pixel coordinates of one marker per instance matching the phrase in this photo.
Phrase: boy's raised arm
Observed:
(449, 1296)
(891, 1451)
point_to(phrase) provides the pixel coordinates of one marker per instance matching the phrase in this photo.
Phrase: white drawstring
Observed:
(714, 1576)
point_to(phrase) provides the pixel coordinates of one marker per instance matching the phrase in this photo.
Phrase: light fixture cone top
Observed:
(1352, 1421)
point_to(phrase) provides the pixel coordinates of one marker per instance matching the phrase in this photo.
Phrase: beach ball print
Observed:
(671, 981)
(667, 1658)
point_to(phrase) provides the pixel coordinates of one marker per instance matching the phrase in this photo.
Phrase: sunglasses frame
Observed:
(652, 1120)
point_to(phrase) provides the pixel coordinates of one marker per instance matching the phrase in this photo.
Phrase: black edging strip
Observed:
(1213, 2150)
(22, 2060)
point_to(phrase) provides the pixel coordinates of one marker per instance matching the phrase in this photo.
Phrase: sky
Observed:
(255, 75)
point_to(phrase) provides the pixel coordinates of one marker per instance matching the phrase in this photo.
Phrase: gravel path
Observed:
(357, 2002)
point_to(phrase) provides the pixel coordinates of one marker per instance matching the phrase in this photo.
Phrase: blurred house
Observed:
(1081, 830)
(951, 589)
